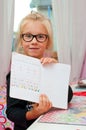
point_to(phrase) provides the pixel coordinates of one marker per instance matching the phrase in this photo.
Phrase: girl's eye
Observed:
(40, 36)
(28, 35)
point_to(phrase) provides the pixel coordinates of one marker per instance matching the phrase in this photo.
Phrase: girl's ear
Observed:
(21, 46)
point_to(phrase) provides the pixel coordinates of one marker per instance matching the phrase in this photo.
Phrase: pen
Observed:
(80, 93)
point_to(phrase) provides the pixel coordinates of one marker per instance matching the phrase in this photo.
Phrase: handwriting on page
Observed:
(26, 80)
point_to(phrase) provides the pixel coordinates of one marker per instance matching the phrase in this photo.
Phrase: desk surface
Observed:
(48, 126)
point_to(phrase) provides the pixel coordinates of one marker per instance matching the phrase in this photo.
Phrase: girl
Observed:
(34, 38)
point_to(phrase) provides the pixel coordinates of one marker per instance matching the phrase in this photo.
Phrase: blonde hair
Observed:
(35, 16)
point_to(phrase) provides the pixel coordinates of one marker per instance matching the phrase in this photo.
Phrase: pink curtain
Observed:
(6, 36)
(83, 70)
(70, 24)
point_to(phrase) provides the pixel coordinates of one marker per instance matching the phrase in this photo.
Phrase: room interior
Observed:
(68, 20)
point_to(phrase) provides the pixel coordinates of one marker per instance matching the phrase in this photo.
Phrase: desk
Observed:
(76, 108)
(48, 126)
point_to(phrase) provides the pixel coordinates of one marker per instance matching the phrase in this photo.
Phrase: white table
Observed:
(48, 126)
(51, 126)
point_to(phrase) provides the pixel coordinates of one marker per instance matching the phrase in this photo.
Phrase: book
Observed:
(29, 79)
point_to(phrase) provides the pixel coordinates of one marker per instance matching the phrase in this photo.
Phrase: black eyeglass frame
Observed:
(46, 36)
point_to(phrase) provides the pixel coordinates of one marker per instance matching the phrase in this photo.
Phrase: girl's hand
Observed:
(47, 60)
(40, 108)
(44, 104)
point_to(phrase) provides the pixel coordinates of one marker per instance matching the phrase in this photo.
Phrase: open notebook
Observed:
(29, 78)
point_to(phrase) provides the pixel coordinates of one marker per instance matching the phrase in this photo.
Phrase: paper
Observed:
(29, 78)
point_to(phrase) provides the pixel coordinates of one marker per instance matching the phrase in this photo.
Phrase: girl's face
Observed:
(34, 48)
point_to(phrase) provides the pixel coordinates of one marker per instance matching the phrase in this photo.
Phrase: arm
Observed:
(16, 109)
(38, 109)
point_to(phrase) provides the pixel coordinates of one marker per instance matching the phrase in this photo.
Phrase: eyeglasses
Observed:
(28, 37)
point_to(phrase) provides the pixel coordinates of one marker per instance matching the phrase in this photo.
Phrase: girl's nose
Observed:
(34, 41)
